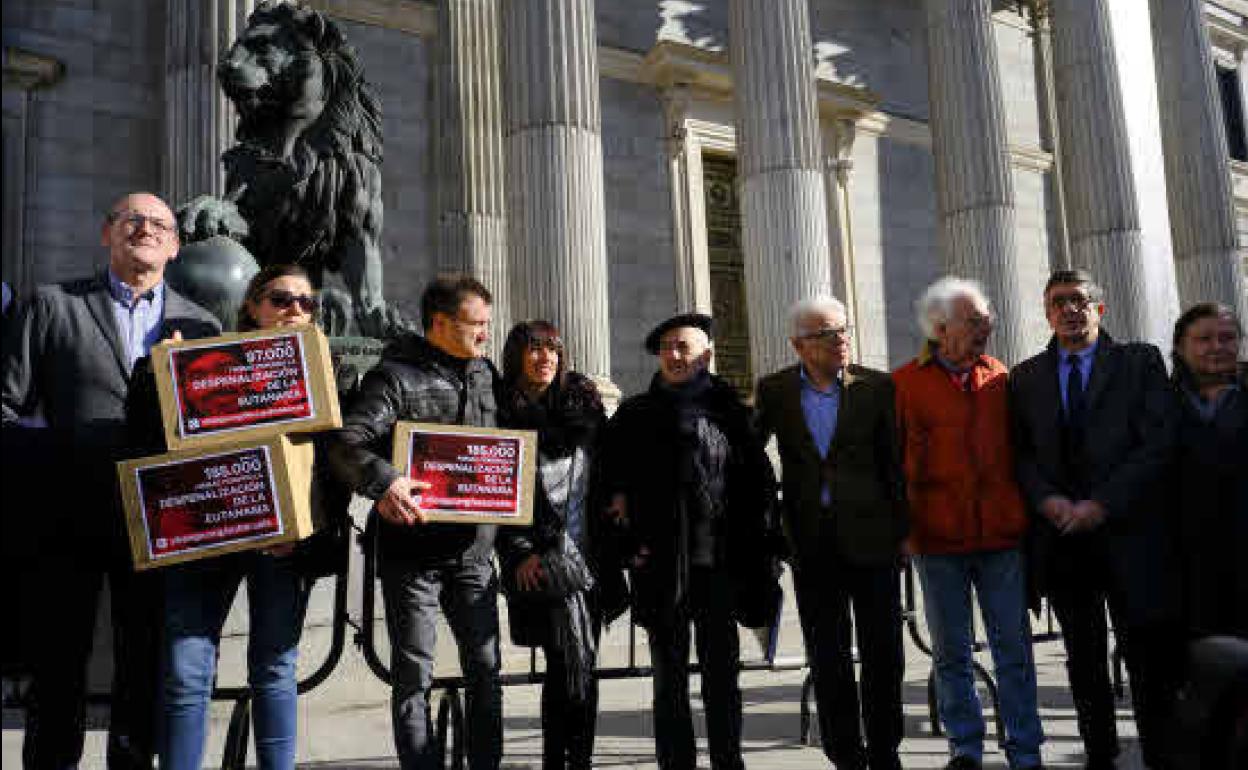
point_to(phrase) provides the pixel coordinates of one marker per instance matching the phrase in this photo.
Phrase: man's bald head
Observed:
(140, 233)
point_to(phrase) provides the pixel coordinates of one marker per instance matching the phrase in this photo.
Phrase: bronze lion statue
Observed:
(303, 184)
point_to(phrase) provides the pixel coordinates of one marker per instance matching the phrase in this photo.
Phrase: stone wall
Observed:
(93, 136)
(639, 227)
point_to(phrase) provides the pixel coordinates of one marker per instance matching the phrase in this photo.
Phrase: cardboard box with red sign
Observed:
(245, 386)
(478, 475)
(192, 504)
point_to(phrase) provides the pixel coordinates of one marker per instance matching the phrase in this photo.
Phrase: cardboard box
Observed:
(244, 386)
(194, 504)
(479, 475)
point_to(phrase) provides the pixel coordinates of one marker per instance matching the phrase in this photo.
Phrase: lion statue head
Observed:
(305, 174)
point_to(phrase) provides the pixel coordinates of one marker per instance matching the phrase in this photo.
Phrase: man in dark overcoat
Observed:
(1094, 429)
(845, 517)
(69, 355)
(686, 471)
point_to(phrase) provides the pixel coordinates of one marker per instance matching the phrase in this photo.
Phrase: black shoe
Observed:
(963, 762)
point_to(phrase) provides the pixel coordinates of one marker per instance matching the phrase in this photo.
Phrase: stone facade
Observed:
(666, 90)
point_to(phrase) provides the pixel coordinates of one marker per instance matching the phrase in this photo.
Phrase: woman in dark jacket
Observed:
(198, 594)
(560, 579)
(1212, 481)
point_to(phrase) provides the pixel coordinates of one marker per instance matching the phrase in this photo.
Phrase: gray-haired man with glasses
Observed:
(845, 517)
(70, 354)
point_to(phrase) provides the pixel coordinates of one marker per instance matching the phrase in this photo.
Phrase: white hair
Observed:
(817, 305)
(935, 305)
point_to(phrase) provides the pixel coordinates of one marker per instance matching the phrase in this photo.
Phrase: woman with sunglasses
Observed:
(559, 578)
(199, 594)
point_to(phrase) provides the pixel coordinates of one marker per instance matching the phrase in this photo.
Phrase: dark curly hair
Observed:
(521, 336)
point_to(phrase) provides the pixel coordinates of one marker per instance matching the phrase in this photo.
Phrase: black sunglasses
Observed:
(282, 299)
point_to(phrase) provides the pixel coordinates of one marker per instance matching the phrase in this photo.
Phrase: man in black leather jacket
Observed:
(442, 377)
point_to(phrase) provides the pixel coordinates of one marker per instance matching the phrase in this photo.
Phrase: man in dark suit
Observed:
(1094, 429)
(69, 355)
(845, 515)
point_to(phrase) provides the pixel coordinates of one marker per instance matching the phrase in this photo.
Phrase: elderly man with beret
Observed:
(688, 477)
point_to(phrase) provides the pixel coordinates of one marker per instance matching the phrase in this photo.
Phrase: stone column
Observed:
(838, 142)
(556, 231)
(1198, 175)
(472, 224)
(974, 185)
(199, 120)
(783, 205)
(1099, 185)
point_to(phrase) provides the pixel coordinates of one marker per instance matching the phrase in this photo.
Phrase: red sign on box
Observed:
(475, 474)
(241, 384)
(206, 501)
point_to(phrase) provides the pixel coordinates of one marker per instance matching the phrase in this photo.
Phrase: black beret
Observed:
(692, 320)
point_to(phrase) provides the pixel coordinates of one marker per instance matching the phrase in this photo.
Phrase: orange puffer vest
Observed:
(958, 459)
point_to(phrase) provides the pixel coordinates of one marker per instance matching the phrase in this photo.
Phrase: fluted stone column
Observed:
(472, 224)
(784, 223)
(199, 120)
(1099, 185)
(1207, 258)
(553, 138)
(974, 186)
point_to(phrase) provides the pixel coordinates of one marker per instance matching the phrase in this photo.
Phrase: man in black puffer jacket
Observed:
(442, 377)
(686, 470)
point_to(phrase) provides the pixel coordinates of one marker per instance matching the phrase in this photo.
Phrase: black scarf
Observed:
(566, 415)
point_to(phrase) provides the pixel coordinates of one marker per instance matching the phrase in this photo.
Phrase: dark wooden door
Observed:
(727, 272)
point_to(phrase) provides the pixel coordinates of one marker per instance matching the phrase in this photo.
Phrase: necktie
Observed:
(1074, 392)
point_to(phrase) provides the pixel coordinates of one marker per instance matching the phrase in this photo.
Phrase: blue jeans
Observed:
(198, 598)
(998, 578)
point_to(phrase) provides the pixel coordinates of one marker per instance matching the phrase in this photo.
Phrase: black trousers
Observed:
(827, 587)
(73, 573)
(709, 609)
(1081, 586)
(567, 723)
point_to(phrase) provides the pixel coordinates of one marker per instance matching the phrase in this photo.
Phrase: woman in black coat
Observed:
(1212, 392)
(559, 575)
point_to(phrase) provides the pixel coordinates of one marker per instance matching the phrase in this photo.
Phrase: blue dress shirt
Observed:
(138, 317)
(1085, 367)
(819, 409)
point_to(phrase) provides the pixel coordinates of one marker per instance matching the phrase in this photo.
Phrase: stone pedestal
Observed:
(1207, 258)
(472, 223)
(974, 187)
(783, 203)
(553, 143)
(1099, 184)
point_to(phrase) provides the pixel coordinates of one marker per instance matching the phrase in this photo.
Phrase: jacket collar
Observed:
(1104, 361)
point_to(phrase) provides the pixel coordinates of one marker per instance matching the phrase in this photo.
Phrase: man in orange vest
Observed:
(967, 520)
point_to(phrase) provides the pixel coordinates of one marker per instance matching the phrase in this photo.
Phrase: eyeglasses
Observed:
(282, 299)
(676, 346)
(134, 222)
(1074, 301)
(829, 333)
(553, 345)
(471, 324)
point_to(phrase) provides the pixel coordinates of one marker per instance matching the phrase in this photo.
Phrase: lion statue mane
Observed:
(305, 175)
